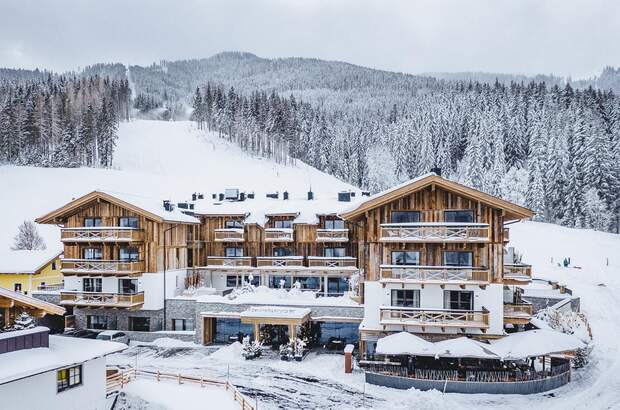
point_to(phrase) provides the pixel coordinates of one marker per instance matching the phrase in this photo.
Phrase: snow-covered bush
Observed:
(287, 351)
(251, 350)
(572, 323)
(23, 321)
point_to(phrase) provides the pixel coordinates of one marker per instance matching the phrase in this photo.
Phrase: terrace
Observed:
(435, 232)
(101, 267)
(229, 235)
(101, 234)
(332, 235)
(131, 301)
(438, 318)
(463, 275)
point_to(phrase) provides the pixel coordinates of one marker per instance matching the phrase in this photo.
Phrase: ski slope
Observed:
(154, 159)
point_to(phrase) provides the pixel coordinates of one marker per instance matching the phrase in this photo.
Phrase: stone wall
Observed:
(118, 316)
(539, 303)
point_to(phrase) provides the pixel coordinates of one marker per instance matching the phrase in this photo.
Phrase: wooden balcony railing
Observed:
(101, 267)
(229, 235)
(224, 261)
(435, 232)
(326, 262)
(517, 272)
(51, 287)
(278, 235)
(102, 299)
(285, 261)
(332, 235)
(395, 315)
(102, 234)
(518, 310)
(416, 273)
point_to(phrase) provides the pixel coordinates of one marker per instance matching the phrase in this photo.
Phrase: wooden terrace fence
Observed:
(117, 381)
(418, 273)
(421, 232)
(101, 234)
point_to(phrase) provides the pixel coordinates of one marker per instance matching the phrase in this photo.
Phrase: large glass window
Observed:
(458, 258)
(139, 324)
(231, 330)
(128, 254)
(334, 224)
(402, 217)
(92, 222)
(280, 252)
(182, 324)
(337, 286)
(233, 252)
(91, 284)
(276, 282)
(231, 281)
(128, 222)
(285, 224)
(309, 282)
(92, 253)
(128, 286)
(458, 300)
(459, 216)
(233, 224)
(68, 378)
(334, 252)
(406, 298)
(405, 258)
(348, 333)
(96, 322)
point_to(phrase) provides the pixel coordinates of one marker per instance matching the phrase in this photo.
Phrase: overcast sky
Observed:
(565, 37)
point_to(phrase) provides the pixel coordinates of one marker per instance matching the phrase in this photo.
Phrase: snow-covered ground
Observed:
(155, 159)
(319, 381)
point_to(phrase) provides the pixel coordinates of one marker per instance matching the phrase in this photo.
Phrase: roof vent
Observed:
(221, 197)
(344, 196)
(183, 205)
(242, 196)
(168, 206)
(231, 193)
(201, 196)
(310, 195)
(285, 195)
(365, 193)
(436, 170)
(214, 196)
(251, 195)
(352, 194)
(273, 195)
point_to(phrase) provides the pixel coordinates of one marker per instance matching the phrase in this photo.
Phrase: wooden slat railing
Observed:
(435, 232)
(102, 267)
(332, 235)
(416, 273)
(278, 235)
(101, 299)
(518, 309)
(269, 261)
(229, 261)
(229, 235)
(325, 262)
(518, 270)
(101, 234)
(395, 315)
(50, 287)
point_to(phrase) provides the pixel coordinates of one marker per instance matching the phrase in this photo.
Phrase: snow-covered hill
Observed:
(156, 159)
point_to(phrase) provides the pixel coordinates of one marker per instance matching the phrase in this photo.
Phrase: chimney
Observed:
(285, 195)
(242, 196)
(436, 170)
(221, 197)
(194, 196)
(167, 205)
(310, 195)
(251, 195)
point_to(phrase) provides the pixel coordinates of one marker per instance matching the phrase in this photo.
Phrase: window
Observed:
(459, 216)
(233, 224)
(53, 265)
(233, 252)
(458, 300)
(231, 281)
(91, 285)
(348, 332)
(128, 222)
(139, 324)
(280, 252)
(309, 282)
(334, 224)
(68, 378)
(17, 287)
(403, 217)
(128, 254)
(405, 258)
(96, 322)
(334, 252)
(182, 324)
(92, 253)
(406, 298)
(286, 224)
(230, 330)
(337, 286)
(128, 286)
(276, 282)
(92, 222)
(458, 258)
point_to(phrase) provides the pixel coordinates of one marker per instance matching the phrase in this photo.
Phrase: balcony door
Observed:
(458, 258)
(92, 222)
(458, 300)
(403, 217)
(405, 258)
(334, 252)
(464, 216)
(128, 222)
(282, 252)
(129, 254)
(91, 285)
(128, 286)
(334, 224)
(406, 298)
(92, 253)
(233, 252)
(283, 224)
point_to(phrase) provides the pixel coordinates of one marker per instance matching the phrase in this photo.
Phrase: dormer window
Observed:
(459, 216)
(334, 224)
(128, 222)
(283, 224)
(233, 224)
(92, 222)
(403, 217)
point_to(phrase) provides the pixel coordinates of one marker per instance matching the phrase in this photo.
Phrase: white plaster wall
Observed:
(108, 284)
(40, 392)
(152, 284)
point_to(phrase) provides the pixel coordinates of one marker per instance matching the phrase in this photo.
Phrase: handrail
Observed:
(101, 298)
(435, 232)
(103, 266)
(332, 235)
(229, 261)
(102, 234)
(419, 273)
(434, 317)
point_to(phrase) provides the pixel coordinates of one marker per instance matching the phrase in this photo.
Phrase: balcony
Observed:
(327, 262)
(462, 275)
(437, 318)
(435, 232)
(280, 262)
(278, 235)
(332, 235)
(101, 267)
(224, 262)
(132, 301)
(517, 273)
(518, 313)
(229, 235)
(101, 234)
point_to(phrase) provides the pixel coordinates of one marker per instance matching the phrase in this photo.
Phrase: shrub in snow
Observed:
(287, 351)
(23, 321)
(251, 350)
(28, 238)
(572, 323)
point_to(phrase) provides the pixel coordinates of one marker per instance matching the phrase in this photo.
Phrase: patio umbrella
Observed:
(404, 343)
(532, 343)
(463, 347)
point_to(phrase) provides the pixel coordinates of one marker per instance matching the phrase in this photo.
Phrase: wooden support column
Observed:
(292, 332)
(257, 331)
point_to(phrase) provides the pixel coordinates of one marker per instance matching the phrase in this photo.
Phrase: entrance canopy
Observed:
(275, 315)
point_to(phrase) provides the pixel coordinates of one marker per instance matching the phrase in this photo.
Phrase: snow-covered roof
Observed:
(463, 347)
(263, 295)
(275, 312)
(303, 210)
(33, 303)
(532, 343)
(63, 351)
(404, 343)
(27, 261)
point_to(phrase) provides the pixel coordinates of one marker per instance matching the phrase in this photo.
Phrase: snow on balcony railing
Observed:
(332, 262)
(102, 267)
(279, 261)
(101, 299)
(229, 261)
(332, 235)
(435, 232)
(102, 234)
(518, 272)
(278, 235)
(418, 273)
(518, 310)
(396, 315)
(229, 235)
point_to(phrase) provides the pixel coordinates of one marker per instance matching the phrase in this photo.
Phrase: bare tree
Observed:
(28, 238)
